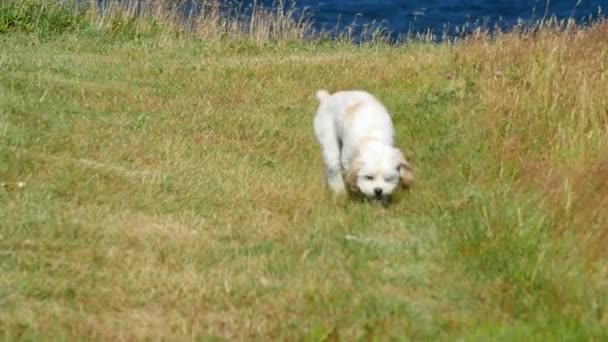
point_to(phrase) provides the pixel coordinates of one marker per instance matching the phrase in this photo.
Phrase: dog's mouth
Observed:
(381, 199)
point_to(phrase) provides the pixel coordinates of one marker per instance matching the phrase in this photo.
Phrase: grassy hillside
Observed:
(162, 184)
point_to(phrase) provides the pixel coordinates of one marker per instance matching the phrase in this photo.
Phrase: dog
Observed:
(356, 136)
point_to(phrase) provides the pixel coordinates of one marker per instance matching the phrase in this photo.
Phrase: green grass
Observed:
(169, 187)
(43, 19)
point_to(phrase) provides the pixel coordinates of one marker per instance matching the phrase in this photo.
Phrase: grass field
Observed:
(161, 185)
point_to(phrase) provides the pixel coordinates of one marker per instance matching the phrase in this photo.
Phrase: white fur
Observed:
(356, 136)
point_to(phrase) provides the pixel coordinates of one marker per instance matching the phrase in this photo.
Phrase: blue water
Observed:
(443, 16)
(403, 17)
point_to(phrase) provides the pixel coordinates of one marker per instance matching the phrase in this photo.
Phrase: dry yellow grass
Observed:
(544, 99)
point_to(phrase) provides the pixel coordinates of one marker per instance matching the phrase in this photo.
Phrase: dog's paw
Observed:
(337, 199)
(337, 186)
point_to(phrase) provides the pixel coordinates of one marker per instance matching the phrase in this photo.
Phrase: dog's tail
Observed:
(322, 94)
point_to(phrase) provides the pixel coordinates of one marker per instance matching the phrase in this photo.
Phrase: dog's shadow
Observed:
(349, 199)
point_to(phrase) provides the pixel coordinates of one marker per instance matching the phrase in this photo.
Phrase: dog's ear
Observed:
(406, 174)
(351, 176)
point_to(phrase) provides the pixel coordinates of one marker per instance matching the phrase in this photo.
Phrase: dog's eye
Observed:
(368, 177)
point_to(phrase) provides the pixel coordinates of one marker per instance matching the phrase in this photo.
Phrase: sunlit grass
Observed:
(169, 186)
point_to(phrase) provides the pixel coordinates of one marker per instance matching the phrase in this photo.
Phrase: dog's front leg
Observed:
(330, 151)
(333, 169)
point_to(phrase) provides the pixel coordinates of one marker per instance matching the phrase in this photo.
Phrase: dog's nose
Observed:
(378, 191)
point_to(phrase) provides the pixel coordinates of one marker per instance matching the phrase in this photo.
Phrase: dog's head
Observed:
(377, 171)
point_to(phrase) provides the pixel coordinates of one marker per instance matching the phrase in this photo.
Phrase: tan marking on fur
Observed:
(364, 141)
(350, 111)
(406, 174)
(351, 176)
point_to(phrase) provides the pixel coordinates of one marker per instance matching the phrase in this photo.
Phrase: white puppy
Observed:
(356, 136)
